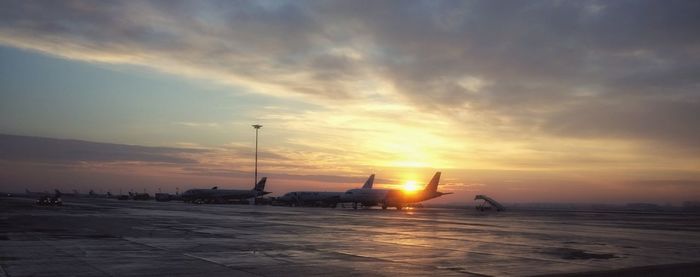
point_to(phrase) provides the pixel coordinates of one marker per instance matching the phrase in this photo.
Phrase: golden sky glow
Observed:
(520, 102)
(410, 186)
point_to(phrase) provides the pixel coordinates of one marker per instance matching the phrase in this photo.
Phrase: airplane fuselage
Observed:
(311, 198)
(216, 195)
(387, 197)
(220, 194)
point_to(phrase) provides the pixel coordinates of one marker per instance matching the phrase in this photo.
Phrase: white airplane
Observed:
(392, 197)
(318, 198)
(216, 195)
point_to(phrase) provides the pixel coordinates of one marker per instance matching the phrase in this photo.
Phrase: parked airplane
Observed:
(75, 193)
(43, 198)
(93, 194)
(216, 195)
(392, 197)
(28, 193)
(318, 198)
(139, 196)
(164, 197)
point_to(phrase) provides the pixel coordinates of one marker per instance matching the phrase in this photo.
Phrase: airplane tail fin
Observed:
(370, 181)
(432, 186)
(260, 186)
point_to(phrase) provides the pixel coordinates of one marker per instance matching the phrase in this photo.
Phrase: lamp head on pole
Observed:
(257, 126)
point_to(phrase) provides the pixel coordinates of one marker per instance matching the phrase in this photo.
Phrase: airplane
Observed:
(75, 193)
(56, 192)
(45, 198)
(392, 197)
(318, 198)
(69, 195)
(93, 194)
(164, 197)
(139, 196)
(216, 195)
(28, 193)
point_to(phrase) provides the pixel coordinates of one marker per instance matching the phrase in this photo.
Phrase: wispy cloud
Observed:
(199, 124)
(36, 149)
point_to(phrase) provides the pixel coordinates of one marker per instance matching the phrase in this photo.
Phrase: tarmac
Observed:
(108, 237)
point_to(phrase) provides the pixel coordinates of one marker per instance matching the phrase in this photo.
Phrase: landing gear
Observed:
(398, 207)
(384, 206)
(354, 205)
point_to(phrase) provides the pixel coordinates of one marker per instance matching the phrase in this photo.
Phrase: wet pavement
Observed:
(107, 237)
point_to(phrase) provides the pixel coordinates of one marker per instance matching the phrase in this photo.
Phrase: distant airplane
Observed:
(139, 196)
(93, 194)
(318, 198)
(28, 193)
(43, 198)
(392, 197)
(163, 197)
(74, 194)
(77, 194)
(63, 194)
(216, 195)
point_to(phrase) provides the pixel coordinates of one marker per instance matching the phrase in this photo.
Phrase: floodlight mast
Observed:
(257, 127)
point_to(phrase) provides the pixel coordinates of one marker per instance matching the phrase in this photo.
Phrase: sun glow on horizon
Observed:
(410, 186)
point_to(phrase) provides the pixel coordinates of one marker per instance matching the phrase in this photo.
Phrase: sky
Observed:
(526, 101)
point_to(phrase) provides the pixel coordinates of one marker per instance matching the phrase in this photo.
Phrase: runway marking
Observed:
(218, 263)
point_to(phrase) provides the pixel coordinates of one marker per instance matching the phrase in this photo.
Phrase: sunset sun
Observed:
(410, 186)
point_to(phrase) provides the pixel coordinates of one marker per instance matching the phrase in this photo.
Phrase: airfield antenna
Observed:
(257, 127)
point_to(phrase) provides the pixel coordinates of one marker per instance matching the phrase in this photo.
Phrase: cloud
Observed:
(666, 184)
(269, 48)
(504, 76)
(199, 124)
(37, 149)
(517, 63)
(667, 121)
(462, 186)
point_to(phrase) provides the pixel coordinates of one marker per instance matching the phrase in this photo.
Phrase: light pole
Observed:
(257, 127)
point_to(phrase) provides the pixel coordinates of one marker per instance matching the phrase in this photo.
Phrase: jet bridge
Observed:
(490, 201)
